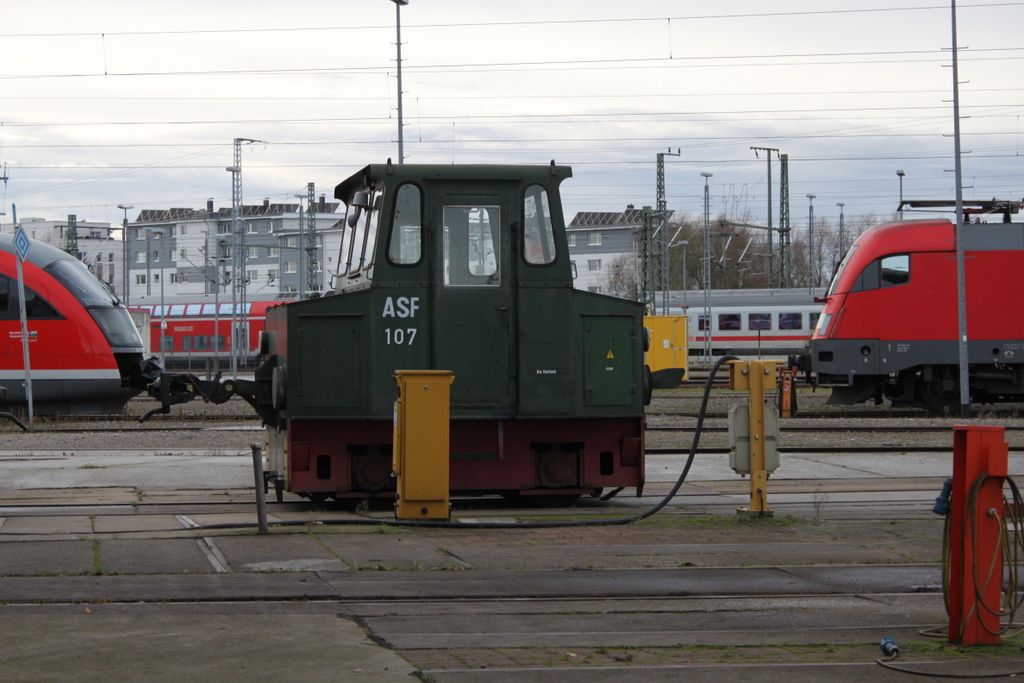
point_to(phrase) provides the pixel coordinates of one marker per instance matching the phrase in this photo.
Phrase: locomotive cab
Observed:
(460, 268)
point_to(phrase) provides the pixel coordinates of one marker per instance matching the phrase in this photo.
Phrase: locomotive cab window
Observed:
(406, 241)
(538, 236)
(471, 243)
(888, 271)
(5, 297)
(895, 270)
(37, 307)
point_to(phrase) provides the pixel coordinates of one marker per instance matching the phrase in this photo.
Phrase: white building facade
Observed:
(97, 245)
(193, 252)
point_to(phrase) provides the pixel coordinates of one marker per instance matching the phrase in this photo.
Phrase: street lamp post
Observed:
(683, 244)
(301, 239)
(124, 251)
(163, 308)
(901, 174)
(398, 34)
(707, 269)
(810, 244)
(842, 246)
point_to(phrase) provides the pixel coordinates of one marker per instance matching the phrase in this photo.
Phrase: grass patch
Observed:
(97, 565)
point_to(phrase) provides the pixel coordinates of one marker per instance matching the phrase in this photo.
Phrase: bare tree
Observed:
(620, 278)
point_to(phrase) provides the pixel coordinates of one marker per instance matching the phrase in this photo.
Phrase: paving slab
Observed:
(764, 672)
(675, 554)
(134, 523)
(388, 551)
(150, 556)
(634, 582)
(94, 645)
(165, 588)
(46, 525)
(26, 558)
(101, 495)
(278, 552)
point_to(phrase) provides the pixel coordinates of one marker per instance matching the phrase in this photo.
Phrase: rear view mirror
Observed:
(359, 202)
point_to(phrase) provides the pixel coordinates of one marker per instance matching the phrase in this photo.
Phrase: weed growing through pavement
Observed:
(818, 500)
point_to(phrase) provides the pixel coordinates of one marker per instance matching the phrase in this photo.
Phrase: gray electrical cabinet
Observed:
(739, 438)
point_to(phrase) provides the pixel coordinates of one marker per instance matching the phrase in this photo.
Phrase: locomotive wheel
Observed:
(940, 402)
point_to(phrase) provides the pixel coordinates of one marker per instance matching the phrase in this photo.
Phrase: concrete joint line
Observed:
(186, 522)
(213, 554)
(2, 520)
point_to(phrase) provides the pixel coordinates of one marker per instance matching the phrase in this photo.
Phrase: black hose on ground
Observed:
(523, 525)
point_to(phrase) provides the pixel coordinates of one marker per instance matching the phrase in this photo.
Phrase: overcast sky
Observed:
(108, 102)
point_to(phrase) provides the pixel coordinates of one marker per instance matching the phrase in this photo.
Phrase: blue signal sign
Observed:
(22, 243)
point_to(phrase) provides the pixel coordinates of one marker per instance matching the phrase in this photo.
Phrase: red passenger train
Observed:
(199, 328)
(889, 327)
(85, 354)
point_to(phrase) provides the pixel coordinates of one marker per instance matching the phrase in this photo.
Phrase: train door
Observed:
(472, 292)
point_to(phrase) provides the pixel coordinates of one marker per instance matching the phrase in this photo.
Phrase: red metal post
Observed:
(976, 527)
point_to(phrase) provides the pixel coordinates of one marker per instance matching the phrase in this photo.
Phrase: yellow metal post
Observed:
(753, 376)
(420, 455)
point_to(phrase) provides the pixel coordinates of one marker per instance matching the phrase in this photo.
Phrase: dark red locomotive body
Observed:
(889, 326)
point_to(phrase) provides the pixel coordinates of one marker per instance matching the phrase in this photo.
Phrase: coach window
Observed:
(895, 270)
(186, 343)
(759, 321)
(406, 227)
(201, 342)
(791, 321)
(702, 323)
(538, 236)
(729, 321)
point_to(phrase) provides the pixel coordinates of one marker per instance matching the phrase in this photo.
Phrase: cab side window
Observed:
(406, 227)
(538, 236)
(37, 307)
(895, 270)
(888, 271)
(5, 298)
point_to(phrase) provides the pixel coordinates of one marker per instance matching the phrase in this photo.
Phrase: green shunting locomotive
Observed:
(462, 268)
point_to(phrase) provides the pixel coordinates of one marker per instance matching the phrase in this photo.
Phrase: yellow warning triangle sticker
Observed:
(610, 354)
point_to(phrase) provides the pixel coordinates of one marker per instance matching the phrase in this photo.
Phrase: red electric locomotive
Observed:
(85, 354)
(889, 326)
